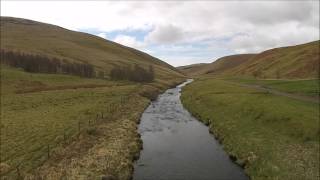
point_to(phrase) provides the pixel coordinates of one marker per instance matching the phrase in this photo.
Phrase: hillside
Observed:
(192, 69)
(56, 42)
(300, 61)
(219, 66)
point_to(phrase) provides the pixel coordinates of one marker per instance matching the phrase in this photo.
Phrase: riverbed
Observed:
(176, 146)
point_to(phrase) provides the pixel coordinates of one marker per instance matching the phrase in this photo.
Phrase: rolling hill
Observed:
(49, 40)
(193, 69)
(219, 66)
(300, 61)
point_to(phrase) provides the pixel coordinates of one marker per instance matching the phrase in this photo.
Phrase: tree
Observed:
(36, 63)
(137, 73)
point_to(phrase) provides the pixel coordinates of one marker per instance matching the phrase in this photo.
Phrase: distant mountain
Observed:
(193, 69)
(49, 40)
(300, 61)
(219, 66)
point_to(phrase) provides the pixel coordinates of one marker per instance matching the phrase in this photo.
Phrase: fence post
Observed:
(79, 126)
(18, 171)
(64, 136)
(48, 150)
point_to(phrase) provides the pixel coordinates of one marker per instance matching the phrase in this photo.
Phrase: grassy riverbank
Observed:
(273, 137)
(60, 126)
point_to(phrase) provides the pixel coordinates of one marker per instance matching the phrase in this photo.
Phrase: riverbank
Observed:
(272, 137)
(61, 126)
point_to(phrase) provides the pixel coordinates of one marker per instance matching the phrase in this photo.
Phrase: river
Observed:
(176, 146)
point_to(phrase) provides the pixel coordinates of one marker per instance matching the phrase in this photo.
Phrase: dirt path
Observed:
(64, 87)
(281, 93)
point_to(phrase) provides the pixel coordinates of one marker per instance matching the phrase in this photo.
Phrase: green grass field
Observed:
(41, 110)
(273, 137)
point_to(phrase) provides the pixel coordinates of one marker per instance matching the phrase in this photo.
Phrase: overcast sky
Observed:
(182, 32)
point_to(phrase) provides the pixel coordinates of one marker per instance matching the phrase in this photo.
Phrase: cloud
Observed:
(272, 12)
(102, 35)
(165, 34)
(178, 55)
(290, 33)
(129, 41)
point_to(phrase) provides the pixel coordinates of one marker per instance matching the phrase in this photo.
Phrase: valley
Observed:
(79, 106)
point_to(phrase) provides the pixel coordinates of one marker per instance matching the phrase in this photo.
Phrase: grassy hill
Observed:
(300, 61)
(219, 66)
(56, 42)
(193, 69)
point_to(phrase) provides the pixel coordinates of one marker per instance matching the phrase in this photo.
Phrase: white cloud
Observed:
(129, 41)
(290, 33)
(102, 35)
(101, 15)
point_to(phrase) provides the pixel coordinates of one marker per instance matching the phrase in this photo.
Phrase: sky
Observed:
(182, 32)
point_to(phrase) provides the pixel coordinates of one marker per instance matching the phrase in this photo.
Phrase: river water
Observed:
(176, 146)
